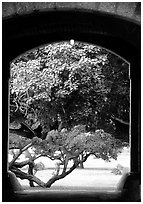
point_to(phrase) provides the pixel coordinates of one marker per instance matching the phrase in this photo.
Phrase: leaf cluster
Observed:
(81, 83)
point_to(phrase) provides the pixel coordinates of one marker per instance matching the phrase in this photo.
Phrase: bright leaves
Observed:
(59, 65)
(72, 84)
(80, 82)
(51, 74)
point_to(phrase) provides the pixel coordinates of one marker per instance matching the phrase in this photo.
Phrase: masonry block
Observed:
(8, 9)
(126, 9)
(108, 7)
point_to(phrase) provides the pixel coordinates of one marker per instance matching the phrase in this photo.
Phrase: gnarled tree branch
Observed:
(23, 175)
(120, 120)
(19, 153)
(25, 131)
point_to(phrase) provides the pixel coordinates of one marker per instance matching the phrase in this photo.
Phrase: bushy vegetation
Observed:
(75, 145)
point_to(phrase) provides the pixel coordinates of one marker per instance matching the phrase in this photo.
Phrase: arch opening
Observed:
(115, 36)
(61, 88)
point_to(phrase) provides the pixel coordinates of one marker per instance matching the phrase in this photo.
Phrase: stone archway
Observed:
(25, 27)
(131, 10)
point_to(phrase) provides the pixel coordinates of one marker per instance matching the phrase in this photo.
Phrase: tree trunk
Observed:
(30, 171)
(56, 176)
(23, 175)
(51, 181)
(81, 166)
(64, 174)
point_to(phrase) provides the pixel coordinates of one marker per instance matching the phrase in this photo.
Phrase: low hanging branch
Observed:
(24, 163)
(25, 131)
(23, 175)
(64, 172)
(19, 153)
(32, 178)
(21, 164)
(120, 120)
(58, 177)
(64, 146)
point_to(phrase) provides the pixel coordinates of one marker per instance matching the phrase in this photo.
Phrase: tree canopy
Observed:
(75, 145)
(67, 99)
(73, 84)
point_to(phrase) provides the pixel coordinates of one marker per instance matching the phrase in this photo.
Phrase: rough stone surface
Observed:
(130, 10)
(126, 9)
(14, 181)
(108, 7)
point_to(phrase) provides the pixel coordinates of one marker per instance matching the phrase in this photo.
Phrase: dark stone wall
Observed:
(130, 10)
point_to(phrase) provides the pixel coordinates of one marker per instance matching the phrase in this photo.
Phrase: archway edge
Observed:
(120, 35)
(25, 32)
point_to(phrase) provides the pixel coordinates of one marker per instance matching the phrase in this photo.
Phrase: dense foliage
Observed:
(67, 96)
(75, 84)
(75, 145)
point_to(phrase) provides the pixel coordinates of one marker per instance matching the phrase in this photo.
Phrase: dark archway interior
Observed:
(21, 33)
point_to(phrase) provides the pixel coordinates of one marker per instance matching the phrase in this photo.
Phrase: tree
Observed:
(45, 81)
(61, 86)
(78, 83)
(64, 146)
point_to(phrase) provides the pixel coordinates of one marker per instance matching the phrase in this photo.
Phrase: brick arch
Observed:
(120, 35)
(25, 28)
(130, 10)
(24, 32)
(116, 22)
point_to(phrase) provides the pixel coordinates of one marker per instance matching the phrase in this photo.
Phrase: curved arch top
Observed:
(122, 36)
(119, 35)
(21, 33)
